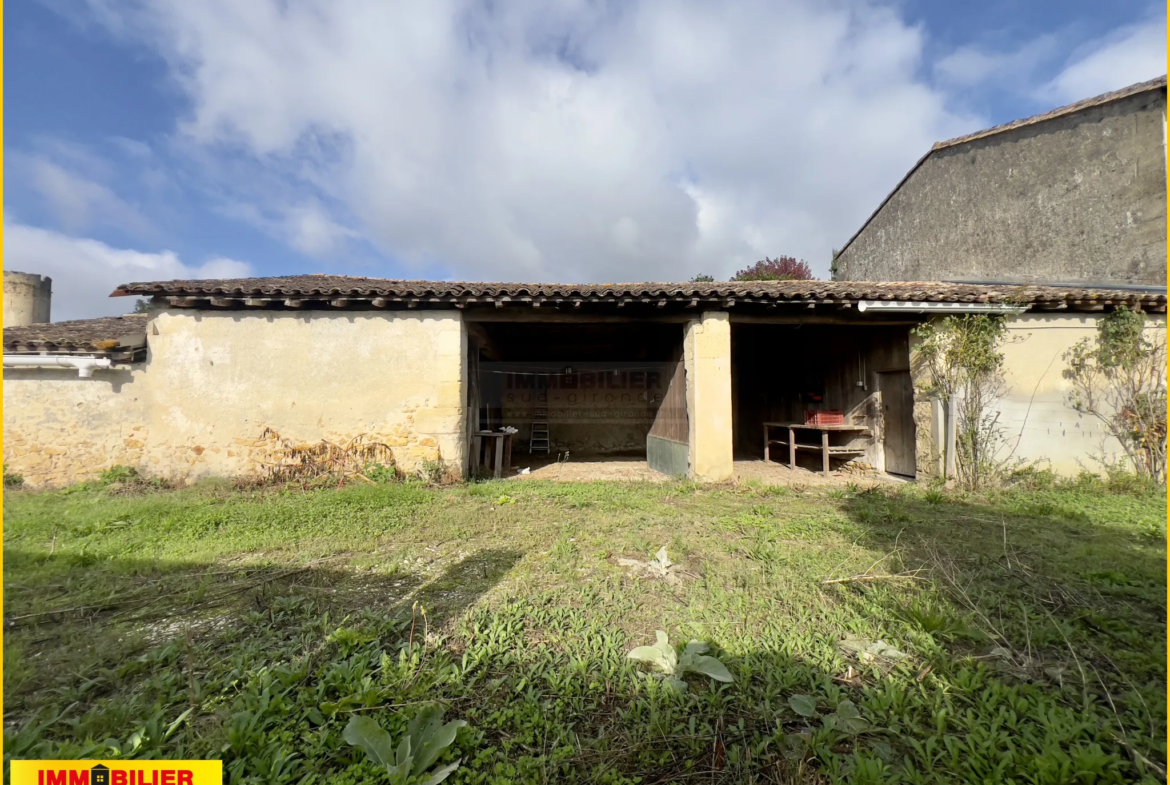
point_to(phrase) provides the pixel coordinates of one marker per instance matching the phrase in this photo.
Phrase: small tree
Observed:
(141, 306)
(964, 357)
(782, 268)
(1119, 377)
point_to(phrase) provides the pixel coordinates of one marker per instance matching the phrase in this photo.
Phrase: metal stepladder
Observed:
(538, 441)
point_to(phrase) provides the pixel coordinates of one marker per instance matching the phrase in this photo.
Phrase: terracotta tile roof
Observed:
(1099, 100)
(240, 291)
(86, 336)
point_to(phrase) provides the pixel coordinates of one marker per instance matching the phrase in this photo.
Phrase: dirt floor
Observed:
(636, 470)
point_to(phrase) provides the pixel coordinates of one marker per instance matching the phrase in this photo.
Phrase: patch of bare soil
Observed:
(773, 473)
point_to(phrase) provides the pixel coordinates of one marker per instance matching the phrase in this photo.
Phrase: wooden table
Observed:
(825, 448)
(501, 447)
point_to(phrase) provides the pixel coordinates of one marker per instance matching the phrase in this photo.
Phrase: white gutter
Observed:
(908, 306)
(84, 365)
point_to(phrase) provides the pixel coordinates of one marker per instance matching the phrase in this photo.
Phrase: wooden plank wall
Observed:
(670, 421)
(775, 367)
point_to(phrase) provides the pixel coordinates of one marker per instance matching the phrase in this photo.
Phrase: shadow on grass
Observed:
(274, 661)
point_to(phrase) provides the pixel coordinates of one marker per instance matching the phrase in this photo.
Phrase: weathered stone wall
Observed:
(1077, 198)
(59, 429)
(1037, 421)
(215, 381)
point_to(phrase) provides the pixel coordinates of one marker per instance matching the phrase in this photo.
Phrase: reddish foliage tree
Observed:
(782, 268)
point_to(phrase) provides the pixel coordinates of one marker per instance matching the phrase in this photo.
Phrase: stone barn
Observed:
(691, 378)
(1076, 195)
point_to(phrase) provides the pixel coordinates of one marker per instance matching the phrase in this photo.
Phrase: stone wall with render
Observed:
(59, 429)
(707, 356)
(1038, 424)
(214, 382)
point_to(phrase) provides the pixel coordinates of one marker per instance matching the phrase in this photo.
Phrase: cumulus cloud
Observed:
(76, 201)
(571, 140)
(1128, 55)
(85, 270)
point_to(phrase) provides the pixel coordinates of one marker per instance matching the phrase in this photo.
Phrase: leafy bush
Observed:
(965, 362)
(380, 472)
(782, 268)
(416, 752)
(1119, 378)
(432, 472)
(12, 479)
(703, 278)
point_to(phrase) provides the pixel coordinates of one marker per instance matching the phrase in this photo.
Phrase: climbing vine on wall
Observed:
(1119, 377)
(965, 359)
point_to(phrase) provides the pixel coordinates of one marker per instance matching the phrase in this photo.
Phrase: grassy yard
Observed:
(1024, 641)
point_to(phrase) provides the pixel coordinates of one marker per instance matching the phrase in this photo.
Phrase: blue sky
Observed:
(599, 141)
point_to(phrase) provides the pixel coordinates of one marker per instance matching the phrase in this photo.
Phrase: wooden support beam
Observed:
(223, 302)
(183, 302)
(255, 302)
(499, 303)
(340, 302)
(378, 302)
(412, 302)
(293, 302)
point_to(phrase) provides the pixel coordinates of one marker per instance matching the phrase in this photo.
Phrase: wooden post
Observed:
(825, 451)
(499, 440)
(791, 448)
(766, 454)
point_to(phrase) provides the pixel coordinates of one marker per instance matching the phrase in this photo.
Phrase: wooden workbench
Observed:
(500, 451)
(825, 448)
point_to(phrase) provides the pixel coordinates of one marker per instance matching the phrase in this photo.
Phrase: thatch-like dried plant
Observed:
(320, 463)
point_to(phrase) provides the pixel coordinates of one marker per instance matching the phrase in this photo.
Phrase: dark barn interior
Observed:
(596, 387)
(782, 371)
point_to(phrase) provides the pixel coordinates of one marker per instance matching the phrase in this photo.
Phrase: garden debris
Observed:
(324, 461)
(659, 567)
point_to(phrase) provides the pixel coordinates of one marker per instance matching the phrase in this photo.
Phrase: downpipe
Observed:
(85, 365)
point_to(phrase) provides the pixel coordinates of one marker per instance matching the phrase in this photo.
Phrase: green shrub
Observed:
(12, 479)
(119, 473)
(381, 473)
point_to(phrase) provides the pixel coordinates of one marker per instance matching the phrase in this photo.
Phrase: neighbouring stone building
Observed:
(219, 374)
(27, 298)
(1075, 195)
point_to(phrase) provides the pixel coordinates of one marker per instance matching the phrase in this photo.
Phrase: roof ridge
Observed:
(1060, 111)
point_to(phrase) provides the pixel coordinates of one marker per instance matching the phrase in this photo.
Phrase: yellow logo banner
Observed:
(128, 772)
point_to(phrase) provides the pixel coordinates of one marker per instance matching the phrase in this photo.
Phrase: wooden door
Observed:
(898, 413)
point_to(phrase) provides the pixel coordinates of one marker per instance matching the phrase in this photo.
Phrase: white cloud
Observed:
(84, 271)
(1011, 68)
(575, 140)
(77, 202)
(1126, 56)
